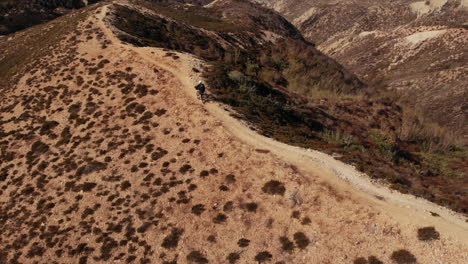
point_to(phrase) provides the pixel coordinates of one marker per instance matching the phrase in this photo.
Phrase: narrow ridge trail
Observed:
(407, 209)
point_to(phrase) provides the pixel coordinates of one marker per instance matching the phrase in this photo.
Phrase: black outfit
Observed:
(200, 88)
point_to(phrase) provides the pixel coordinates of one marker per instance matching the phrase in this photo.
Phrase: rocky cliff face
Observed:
(414, 47)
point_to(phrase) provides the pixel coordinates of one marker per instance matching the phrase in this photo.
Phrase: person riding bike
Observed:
(200, 87)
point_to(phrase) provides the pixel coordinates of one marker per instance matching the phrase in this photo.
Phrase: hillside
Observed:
(107, 155)
(18, 15)
(417, 48)
(286, 89)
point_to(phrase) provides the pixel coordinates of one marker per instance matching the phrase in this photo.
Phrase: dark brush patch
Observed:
(88, 186)
(159, 153)
(228, 207)
(211, 239)
(160, 112)
(47, 126)
(38, 148)
(220, 218)
(274, 187)
(403, 256)
(296, 214)
(35, 251)
(172, 240)
(232, 258)
(91, 167)
(360, 260)
(196, 257)
(374, 260)
(306, 221)
(263, 256)
(301, 240)
(230, 179)
(144, 227)
(125, 185)
(243, 242)
(185, 168)
(250, 207)
(204, 173)
(286, 244)
(428, 233)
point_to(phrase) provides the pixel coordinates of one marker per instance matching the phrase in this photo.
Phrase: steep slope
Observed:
(107, 157)
(18, 15)
(286, 89)
(417, 48)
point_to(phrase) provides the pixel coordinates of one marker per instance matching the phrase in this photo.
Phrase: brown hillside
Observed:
(108, 157)
(415, 48)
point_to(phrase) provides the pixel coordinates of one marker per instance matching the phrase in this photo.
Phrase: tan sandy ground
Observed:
(146, 194)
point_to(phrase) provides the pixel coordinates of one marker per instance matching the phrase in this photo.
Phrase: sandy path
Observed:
(407, 209)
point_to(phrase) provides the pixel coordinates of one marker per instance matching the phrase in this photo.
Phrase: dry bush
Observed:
(431, 136)
(428, 233)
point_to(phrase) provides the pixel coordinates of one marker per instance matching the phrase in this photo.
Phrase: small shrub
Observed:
(403, 256)
(243, 242)
(232, 258)
(263, 256)
(301, 240)
(428, 233)
(337, 138)
(251, 207)
(274, 187)
(360, 260)
(196, 257)
(198, 209)
(374, 260)
(172, 240)
(286, 244)
(220, 218)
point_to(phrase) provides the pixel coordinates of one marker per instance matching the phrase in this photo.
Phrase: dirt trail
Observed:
(407, 208)
(404, 211)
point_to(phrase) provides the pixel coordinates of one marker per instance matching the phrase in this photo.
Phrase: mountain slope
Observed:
(417, 48)
(288, 90)
(107, 157)
(18, 15)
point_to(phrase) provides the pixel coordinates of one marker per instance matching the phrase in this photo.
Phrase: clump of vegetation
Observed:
(370, 260)
(243, 242)
(196, 257)
(403, 256)
(263, 256)
(220, 218)
(232, 258)
(274, 187)
(428, 233)
(198, 209)
(286, 244)
(302, 241)
(172, 240)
